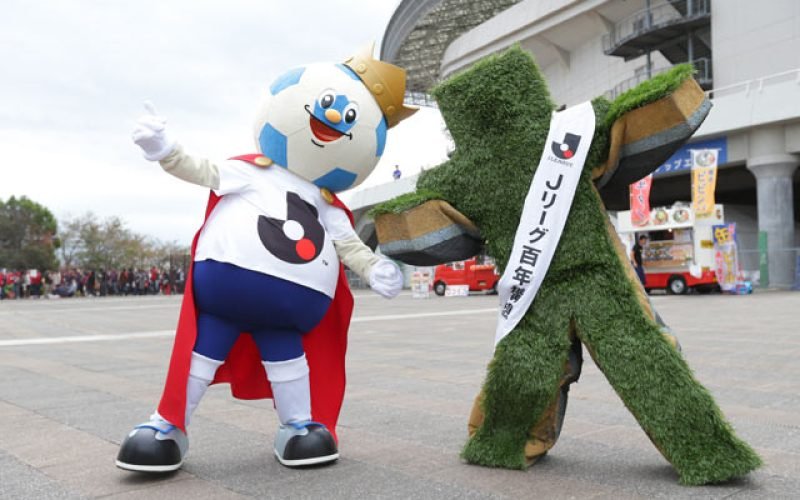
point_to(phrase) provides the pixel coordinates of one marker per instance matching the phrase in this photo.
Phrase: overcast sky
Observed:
(75, 72)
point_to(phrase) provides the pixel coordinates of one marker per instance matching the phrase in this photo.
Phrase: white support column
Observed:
(773, 175)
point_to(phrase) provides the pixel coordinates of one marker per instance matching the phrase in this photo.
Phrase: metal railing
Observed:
(656, 17)
(420, 99)
(757, 84)
(702, 68)
(355, 281)
(752, 261)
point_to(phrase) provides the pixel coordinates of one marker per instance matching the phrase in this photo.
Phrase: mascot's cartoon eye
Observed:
(350, 113)
(326, 98)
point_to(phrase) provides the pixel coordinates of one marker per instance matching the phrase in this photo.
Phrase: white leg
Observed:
(201, 373)
(290, 389)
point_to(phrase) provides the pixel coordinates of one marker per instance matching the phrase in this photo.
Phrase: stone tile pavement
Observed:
(76, 375)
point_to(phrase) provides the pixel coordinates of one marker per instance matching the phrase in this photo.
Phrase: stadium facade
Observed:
(747, 57)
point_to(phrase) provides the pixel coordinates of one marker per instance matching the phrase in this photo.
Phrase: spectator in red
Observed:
(35, 278)
(154, 280)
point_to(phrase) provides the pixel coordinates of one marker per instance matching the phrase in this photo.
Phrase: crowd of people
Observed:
(17, 284)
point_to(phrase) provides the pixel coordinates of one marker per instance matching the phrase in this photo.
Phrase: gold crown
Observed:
(386, 82)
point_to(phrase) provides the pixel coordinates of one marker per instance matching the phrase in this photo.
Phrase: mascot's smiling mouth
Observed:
(323, 132)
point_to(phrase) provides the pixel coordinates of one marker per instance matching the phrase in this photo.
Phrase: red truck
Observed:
(479, 274)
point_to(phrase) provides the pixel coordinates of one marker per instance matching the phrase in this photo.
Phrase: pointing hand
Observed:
(150, 134)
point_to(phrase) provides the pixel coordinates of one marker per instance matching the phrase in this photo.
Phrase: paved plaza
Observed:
(76, 375)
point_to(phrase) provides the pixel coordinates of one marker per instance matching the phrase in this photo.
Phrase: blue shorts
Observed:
(274, 311)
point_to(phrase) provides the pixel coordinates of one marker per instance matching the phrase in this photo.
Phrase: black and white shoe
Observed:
(305, 443)
(154, 446)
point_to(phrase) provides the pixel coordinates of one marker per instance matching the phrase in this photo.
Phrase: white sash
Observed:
(545, 213)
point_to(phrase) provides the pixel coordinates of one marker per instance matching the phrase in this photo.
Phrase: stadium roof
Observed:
(420, 31)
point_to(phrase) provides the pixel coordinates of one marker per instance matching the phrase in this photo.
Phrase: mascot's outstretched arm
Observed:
(151, 135)
(498, 113)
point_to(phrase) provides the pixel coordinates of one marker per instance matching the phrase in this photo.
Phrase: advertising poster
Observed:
(726, 256)
(421, 284)
(640, 201)
(704, 181)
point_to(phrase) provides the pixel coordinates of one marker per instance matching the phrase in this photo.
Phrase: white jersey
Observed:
(273, 222)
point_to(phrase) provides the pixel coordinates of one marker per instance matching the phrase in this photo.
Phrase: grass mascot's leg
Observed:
(498, 113)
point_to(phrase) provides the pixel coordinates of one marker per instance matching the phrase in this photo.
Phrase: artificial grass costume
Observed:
(498, 114)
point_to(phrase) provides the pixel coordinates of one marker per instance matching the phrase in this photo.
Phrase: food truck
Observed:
(679, 254)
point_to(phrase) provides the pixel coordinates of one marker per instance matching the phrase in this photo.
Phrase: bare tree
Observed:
(91, 243)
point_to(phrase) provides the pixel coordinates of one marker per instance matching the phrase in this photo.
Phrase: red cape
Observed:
(325, 348)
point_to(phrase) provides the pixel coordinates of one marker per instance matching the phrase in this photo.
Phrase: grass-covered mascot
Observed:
(498, 113)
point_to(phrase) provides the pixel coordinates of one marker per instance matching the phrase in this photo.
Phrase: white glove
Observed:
(386, 279)
(150, 134)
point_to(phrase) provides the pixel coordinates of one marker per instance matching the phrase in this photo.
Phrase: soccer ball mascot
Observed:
(267, 306)
(520, 175)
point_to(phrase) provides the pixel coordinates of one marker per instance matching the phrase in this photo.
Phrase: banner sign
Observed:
(726, 256)
(681, 160)
(640, 201)
(547, 206)
(704, 181)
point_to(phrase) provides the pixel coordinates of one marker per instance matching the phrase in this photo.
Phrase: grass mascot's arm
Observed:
(498, 113)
